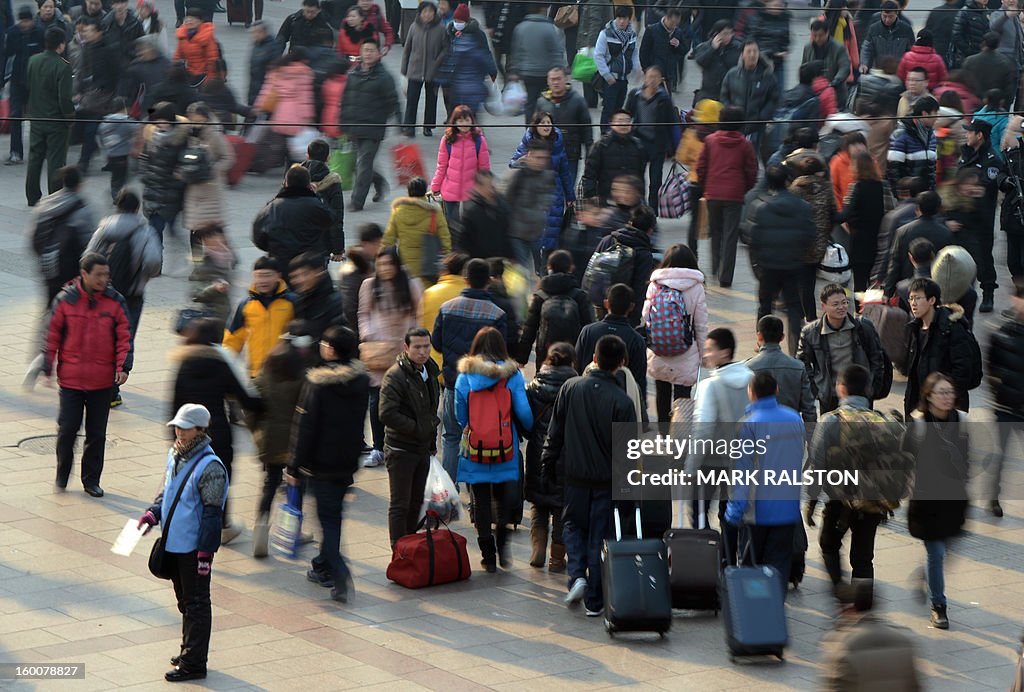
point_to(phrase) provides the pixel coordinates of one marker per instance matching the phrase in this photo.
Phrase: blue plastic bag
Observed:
(287, 533)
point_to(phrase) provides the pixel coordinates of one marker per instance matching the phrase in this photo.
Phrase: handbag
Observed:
(583, 65)
(160, 566)
(287, 535)
(435, 556)
(568, 16)
(430, 252)
(379, 355)
(187, 316)
(674, 196)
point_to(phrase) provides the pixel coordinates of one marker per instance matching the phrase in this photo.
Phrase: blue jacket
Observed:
(476, 373)
(782, 431)
(467, 62)
(564, 189)
(22, 45)
(912, 153)
(195, 525)
(456, 326)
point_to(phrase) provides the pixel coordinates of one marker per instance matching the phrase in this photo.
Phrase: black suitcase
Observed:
(695, 564)
(634, 572)
(754, 610)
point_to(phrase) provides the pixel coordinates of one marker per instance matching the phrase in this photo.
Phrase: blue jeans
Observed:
(933, 571)
(18, 100)
(452, 435)
(587, 522)
(89, 131)
(376, 426)
(524, 252)
(330, 501)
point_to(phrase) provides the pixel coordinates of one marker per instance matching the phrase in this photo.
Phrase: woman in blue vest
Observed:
(193, 535)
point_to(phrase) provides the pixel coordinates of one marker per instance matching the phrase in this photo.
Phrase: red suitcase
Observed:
(244, 154)
(5, 110)
(408, 162)
(238, 11)
(428, 558)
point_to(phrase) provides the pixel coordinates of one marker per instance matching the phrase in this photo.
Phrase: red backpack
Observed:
(489, 435)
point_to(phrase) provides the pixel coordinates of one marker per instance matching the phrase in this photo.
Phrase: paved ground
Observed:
(65, 598)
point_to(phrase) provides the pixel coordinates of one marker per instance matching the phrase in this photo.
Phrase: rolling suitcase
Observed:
(753, 607)
(634, 572)
(245, 152)
(694, 565)
(238, 11)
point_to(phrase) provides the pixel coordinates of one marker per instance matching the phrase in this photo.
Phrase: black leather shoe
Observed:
(180, 674)
(175, 660)
(94, 490)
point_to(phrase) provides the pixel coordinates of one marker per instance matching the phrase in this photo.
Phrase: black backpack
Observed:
(123, 271)
(559, 320)
(194, 164)
(57, 246)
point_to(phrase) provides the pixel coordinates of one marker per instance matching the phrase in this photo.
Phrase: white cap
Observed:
(190, 416)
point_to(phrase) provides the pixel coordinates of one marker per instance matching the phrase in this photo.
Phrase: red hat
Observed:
(461, 13)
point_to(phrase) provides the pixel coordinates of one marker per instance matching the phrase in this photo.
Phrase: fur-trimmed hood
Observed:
(483, 373)
(336, 373)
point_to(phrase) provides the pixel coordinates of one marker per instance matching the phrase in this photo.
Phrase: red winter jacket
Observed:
(88, 338)
(827, 102)
(375, 19)
(970, 102)
(727, 167)
(923, 56)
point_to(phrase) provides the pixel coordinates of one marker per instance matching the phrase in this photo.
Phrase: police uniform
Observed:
(989, 166)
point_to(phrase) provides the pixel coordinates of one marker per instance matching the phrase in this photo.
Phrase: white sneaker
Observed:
(375, 459)
(576, 592)
(595, 613)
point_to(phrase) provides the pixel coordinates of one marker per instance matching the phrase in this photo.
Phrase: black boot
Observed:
(987, 300)
(488, 551)
(833, 567)
(939, 619)
(504, 555)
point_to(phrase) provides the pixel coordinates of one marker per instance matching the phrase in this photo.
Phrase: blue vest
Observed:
(189, 513)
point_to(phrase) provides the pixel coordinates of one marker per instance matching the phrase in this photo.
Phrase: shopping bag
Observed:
(513, 97)
(430, 557)
(674, 196)
(343, 162)
(583, 66)
(287, 533)
(408, 162)
(494, 104)
(440, 494)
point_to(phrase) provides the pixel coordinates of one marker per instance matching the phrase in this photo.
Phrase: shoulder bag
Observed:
(160, 565)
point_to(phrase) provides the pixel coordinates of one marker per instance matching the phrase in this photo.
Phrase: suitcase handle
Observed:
(618, 524)
(748, 548)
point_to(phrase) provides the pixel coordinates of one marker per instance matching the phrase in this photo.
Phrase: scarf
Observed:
(184, 453)
(358, 35)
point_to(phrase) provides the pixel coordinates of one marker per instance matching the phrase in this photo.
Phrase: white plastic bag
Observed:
(494, 104)
(298, 143)
(440, 494)
(513, 98)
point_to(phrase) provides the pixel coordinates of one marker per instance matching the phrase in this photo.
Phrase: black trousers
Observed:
(1015, 255)
(412, 104)
(665, 394)
(770, 545)
(118, 166)
(193, 594)
(535, 86)
(769, 283)
(836, 521)
(271, 482)
(95, 406)
(407, 479)
(504, 493)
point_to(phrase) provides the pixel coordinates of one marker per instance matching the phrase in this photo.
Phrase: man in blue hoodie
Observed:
(770, 510)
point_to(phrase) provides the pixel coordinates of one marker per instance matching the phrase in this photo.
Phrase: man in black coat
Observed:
(265, 49)
(777, 221)
(664, 45)
(978, 155)
(570, 114)
(715, 57)
(1006, 380)
(619, 304)
(992, 70)
(485, 221)
(937, 341)
(96, 82)
(295, 221)
(307, 28)
(578, 456)
(969, 27)
(121, 28)
(617, 153)
(928, 225)
(21, 42)
(940, 22)
(636, 235)
(319, 303)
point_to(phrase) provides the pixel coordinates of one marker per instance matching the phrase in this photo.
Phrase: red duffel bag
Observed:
(428, 558)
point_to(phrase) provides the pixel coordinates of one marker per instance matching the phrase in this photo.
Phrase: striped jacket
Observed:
(456, 326)
(912, 150)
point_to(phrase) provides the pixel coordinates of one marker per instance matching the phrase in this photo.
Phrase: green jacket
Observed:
(49, 86)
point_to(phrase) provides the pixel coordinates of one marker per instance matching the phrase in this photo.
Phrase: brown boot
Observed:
(557, 563)
(539, 541)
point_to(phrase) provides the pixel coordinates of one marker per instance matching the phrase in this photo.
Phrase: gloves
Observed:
(204, 565)
(149, 519)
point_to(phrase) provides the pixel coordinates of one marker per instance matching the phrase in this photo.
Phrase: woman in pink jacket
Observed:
(675, 375)
(287, 95)
(462, 153)
(922, 54)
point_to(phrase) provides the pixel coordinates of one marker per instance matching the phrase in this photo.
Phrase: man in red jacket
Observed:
(88, 337)
(727, 170)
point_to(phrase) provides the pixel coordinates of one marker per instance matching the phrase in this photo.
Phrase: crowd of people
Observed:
(893, 151)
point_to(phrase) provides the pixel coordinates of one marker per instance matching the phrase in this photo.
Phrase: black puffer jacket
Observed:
(295, 221)
(755, 91)
(932, 228)
(714, 64)
(263, 53)
(370, 99)
(542, 392)
(940, 23)
(485, 228)
(300, 32)
(881, 90)
(944, 349)
(771, 31)
(535, 330)
(321, 308)
(408, 406)
(970, 25)
(578, 448)
(160, 152)
(328, 437)
(147, 73)
(777, 228)
(1005, 375)
(610, 157)
(328, 186)
(643, 263)
(884, 41)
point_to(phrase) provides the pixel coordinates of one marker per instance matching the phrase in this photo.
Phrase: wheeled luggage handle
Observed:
(618, 524)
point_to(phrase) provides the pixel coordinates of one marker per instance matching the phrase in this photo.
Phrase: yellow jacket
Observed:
(259, 322)
(446, 288)
(410, 221)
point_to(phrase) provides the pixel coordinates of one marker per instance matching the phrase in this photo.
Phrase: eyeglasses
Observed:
(944, 392)
(837, 305)
(917, 299)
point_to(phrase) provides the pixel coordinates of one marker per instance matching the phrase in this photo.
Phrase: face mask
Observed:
(459, 26)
